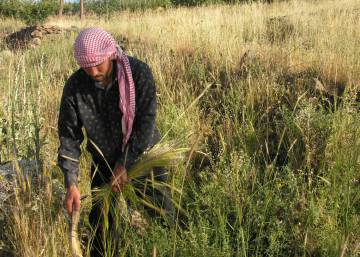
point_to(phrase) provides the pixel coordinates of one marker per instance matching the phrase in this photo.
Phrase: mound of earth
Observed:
(32, 36)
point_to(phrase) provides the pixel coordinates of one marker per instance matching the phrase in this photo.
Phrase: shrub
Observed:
(189, 2)
(31, 12)
(108, 7)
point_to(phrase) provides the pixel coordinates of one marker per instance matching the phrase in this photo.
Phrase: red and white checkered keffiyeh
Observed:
(92, 47)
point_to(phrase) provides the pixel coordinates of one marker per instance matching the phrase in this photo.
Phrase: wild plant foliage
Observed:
(277, 171)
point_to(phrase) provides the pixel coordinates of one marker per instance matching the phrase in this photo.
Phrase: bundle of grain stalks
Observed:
(161, 155)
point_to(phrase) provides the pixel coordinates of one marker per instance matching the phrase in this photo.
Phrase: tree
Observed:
(81, 9)
(61, 7)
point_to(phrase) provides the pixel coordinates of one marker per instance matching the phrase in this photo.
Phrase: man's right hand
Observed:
(72, 199)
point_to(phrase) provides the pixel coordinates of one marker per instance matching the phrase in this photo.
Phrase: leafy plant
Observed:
(31, 12)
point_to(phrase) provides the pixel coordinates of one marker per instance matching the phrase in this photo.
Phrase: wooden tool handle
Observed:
(74, 237)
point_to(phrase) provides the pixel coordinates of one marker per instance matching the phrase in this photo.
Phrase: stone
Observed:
(3, 34)
(160, 9)
(37, 34)
(9, 172)
(30, 37)
(36, 41)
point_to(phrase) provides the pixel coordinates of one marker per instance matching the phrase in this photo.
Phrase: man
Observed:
(113, 97)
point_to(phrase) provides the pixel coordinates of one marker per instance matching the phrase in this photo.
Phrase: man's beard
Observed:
(104, 79)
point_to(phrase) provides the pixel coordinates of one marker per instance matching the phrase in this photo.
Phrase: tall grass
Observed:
(280, 173)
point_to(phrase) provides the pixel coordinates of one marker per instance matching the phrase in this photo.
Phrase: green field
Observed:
(278, 128)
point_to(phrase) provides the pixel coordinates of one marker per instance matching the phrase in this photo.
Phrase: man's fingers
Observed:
(76, 204)
(125, 177)
(118, 180)
(69, 205)
(115, 189)
(72, 199)
(118, 184)
(72, 204)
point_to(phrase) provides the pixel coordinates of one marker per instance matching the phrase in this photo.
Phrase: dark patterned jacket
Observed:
(89, 109)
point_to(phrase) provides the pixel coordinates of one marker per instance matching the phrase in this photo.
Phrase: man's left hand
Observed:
(119, 179)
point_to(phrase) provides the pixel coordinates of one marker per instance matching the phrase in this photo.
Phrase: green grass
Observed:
(280, 171)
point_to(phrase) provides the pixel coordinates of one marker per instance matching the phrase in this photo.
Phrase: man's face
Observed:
(100, 73)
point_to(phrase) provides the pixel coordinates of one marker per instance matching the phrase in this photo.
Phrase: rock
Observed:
(9, 172)
(3, 34)
(37, 34)
(30, 36)
(160, 9)
(18, 39)
(36, 41)
(49, 30)
(56, 28)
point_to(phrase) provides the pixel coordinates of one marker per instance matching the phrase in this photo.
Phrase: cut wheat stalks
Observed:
(161, 155)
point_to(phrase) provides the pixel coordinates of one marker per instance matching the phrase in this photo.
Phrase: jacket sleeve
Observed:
(70, 136)
(145, 117)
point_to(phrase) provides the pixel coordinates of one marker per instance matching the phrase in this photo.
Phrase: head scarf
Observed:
(92, 47)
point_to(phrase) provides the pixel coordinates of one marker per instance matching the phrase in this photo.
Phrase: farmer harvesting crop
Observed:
(113, 97)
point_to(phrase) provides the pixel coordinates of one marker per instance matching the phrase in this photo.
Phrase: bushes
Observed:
(30, 12)
(36, 11)
(189, 2)
(109, 6)
(202, 2)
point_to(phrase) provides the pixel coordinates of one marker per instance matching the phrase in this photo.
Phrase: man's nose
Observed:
(92, 71)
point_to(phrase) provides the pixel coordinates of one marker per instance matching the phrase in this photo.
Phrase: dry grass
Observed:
(265, 64)
(225, 32)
